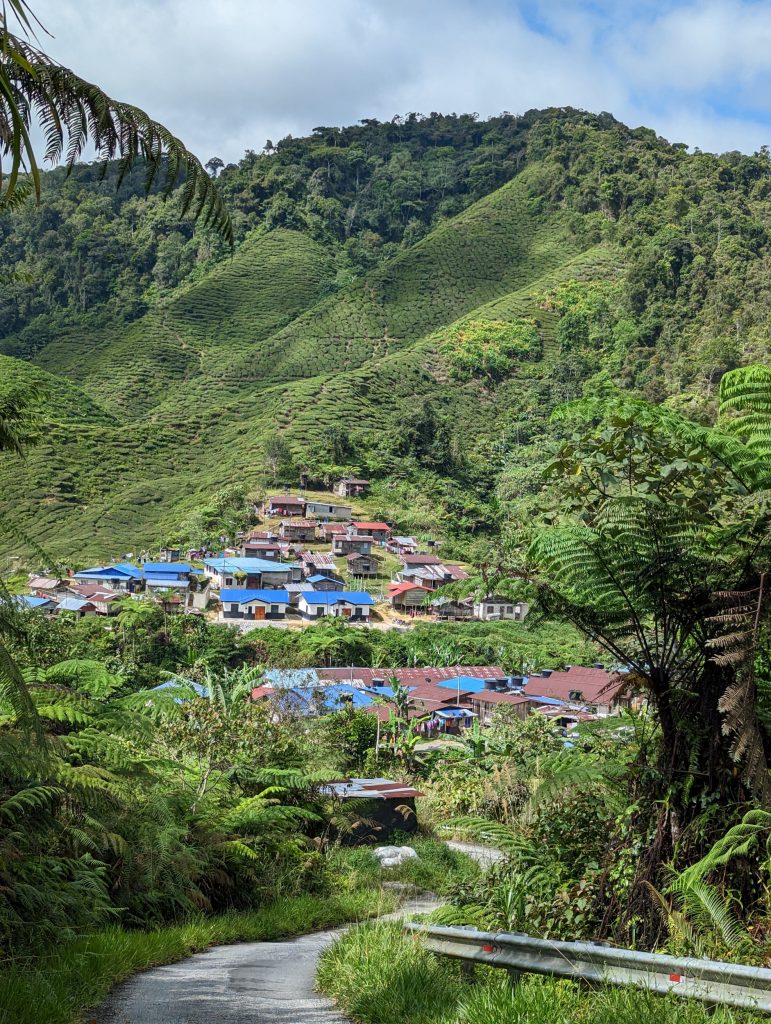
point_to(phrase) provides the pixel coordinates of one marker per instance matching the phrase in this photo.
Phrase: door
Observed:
(259, 611)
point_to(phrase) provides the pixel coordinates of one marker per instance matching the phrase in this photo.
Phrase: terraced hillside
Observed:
(601, 239)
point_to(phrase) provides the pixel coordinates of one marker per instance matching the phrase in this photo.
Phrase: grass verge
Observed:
(437, 868)
(380, 976)
(60, 987)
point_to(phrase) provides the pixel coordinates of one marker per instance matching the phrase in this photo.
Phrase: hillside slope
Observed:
(635, 264)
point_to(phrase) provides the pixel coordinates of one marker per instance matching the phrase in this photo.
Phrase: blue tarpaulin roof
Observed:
(325, 698)
(180, 683)
(468, 683)
(319, 578)
(328, 597)
(240, 595)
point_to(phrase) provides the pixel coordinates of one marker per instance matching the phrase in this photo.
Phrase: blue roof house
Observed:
(253, 605)
(251, 573)
(30, 602)
(349, 604)
(123, 576)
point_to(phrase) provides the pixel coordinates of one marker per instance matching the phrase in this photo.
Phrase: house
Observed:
(298, 529)
(161, 576)
(448, 609)
(402, 545)
(168, 554)
(253, 605)
(33, 603)
(414, 678)
(327, 531)
(380, 532)
(104, 600)
(408, 597)
(345, 544)
(261, 535)
(350, 488)
(270, 550)
(47, 586)
(362, 565)
(328, 510)
(307, 698)
(595, 689)
(485, 703)
(349, 604)
(123, 577)
(382, 807)
(410, 559)
(431, 576)
(494, 608)
(319, 562)
(284, 505)
(251, 573)
(320, 582)
(77, 607)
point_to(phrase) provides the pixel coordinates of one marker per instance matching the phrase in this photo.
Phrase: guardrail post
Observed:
(514, 975)
(468, 971)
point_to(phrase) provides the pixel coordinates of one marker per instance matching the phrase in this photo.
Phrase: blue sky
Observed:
(229, 74)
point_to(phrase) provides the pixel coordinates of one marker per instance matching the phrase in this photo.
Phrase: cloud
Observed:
(227, 76)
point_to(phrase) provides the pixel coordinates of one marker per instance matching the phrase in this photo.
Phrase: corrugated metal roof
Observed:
(31, 601)
(328, 597)
(248, 565)
(240, 595)
(73, 604)
(162, 568)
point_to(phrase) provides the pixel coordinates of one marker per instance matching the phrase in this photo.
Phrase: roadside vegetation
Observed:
(379, 976)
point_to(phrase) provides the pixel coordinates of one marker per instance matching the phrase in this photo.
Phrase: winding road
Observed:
(246, 983)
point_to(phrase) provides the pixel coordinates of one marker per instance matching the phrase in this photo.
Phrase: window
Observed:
(575, 695)
(234, 608)
(229, 581)
(319, 612)
(274, 609)
(490, 609)
(509, 609)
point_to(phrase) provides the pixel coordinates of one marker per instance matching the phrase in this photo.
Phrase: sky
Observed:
(226, 75)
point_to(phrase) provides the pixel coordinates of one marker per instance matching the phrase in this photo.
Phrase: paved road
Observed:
(248, 983)
(485, 855)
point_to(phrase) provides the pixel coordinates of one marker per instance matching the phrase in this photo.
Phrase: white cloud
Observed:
(227, 75)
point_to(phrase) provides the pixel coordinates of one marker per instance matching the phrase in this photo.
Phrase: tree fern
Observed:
(73, 113)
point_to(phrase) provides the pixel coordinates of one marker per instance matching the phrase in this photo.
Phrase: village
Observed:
(310, 558)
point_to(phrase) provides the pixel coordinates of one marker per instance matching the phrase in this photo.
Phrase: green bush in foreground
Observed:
(380, 976)
(58, 988)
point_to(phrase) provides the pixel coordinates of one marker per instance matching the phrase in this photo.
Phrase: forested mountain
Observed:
(407, 301)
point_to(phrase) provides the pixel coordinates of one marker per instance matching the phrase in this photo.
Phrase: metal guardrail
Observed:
(711, 981)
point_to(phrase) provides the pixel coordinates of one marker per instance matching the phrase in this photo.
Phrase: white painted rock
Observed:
(394, 856)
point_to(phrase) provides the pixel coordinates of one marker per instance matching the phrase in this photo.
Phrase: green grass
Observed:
(379, 976)
(59, 988)
(436, 870)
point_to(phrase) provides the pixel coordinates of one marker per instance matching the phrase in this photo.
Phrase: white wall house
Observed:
(493, 608)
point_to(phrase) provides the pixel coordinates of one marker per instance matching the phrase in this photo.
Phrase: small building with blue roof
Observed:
(251, 573)
(122, 576)
(349, 604)
(30, 602)
(255, 605)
